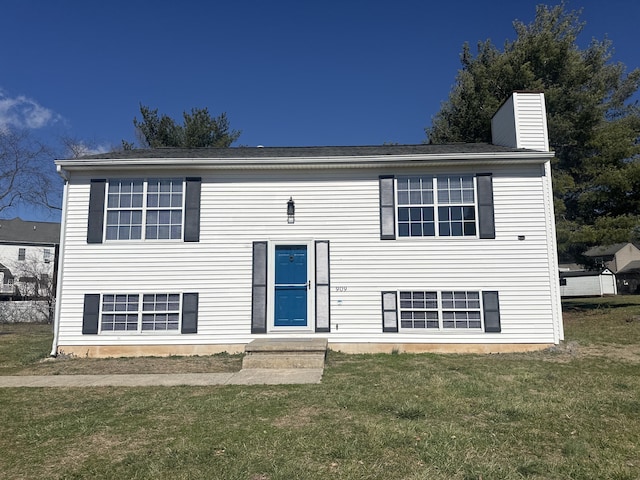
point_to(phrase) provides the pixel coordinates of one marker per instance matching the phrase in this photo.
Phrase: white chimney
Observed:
(521, 122)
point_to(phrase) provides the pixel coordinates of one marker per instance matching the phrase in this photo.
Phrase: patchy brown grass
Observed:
(97, 366)
(298, 419)
(24, 350)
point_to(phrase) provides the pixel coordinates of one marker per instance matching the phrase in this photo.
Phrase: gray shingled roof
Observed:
(309, 152)
(6, 271)
(20, 231)
(604, 250)
(631, 267)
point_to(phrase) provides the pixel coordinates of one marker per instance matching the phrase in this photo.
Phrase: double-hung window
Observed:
(140, 313)
(144, 209)
(447, 310)
(436, 206)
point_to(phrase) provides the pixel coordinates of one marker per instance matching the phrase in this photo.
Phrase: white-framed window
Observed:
(436, 206)
(140, 312)
(461, 309)
(22, 254)
(160, 311)
(444, 310)
(149, 209)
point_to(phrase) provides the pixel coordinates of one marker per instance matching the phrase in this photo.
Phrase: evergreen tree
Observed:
(200, 129)
(594, 126)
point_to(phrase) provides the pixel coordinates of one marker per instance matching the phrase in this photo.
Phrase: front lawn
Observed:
(571, 412)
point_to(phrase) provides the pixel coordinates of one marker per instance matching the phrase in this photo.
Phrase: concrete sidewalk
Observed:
(253, 376)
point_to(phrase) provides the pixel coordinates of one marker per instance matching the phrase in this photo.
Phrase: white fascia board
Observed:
(279, 163)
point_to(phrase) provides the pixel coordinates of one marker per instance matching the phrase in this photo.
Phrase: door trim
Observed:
(271, 274)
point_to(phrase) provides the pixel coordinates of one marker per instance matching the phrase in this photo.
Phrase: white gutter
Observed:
(63, 223)
(489, 158)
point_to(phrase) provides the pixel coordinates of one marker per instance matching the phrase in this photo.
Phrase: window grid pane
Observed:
(461, 310)
(124, 209)
(415, 207)
(125, 313)
(458, 220)
(419, 310)
(161, 311)
(164, 209)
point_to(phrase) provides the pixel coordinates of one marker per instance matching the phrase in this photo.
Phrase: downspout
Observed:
(63, 224)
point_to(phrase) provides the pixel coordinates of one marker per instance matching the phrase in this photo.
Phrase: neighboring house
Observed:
(378, 248)
(6, 284)
(28, 256)
(614, 257)
(587, 283)
(629, 278)
(623, 259)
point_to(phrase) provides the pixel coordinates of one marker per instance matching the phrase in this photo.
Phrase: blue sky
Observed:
(287, 73)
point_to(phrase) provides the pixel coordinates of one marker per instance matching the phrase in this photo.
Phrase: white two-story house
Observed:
(375, 248)
(27, 255)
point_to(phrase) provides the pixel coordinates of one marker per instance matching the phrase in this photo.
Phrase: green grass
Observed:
(572, 412)
(25, 348)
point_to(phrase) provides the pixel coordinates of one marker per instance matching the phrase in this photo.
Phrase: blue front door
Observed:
(291, 283)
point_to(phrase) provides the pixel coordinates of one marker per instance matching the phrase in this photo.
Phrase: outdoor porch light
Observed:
(291, 211)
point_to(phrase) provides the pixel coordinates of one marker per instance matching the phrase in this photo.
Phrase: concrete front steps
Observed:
(284, 353)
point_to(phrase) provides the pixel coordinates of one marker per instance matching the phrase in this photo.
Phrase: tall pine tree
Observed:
(594, 126)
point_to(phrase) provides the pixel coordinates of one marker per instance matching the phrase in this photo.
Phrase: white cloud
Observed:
(23, 112)
(79, 149)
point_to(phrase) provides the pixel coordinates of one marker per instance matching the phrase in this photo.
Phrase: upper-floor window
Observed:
(46, 255)
(22, 254)
(144, 209)
(442, 206)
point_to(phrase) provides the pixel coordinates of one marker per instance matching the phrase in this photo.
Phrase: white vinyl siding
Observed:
(343, 207)
(521, 122)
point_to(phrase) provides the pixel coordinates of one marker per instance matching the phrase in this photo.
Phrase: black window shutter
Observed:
(192, 209)
(387, 208)
(95, 223)
(259, 288)
(491, 312)
(485, 206)
(389, 312)
(190, 313)
(91, 314)
(323, 289)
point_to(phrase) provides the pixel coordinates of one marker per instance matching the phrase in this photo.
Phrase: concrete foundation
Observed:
(104, 351)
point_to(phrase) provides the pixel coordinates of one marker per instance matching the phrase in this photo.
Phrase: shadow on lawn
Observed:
(586, 306)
